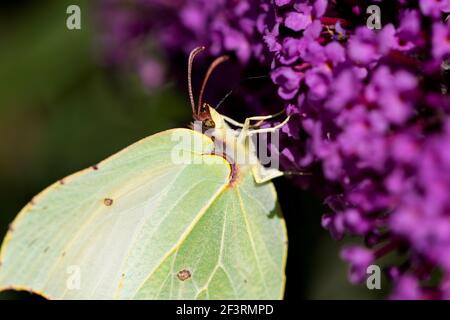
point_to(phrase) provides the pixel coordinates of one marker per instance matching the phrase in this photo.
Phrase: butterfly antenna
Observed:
(223, 99)
(211, 68)
(236, 87)
(192, 55)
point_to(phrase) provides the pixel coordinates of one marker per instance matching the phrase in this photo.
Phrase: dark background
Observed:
(61, 110)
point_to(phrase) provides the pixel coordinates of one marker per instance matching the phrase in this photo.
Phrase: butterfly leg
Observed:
(271, 129)
(263, 174)
(233, 122)
(246, 125)
(297, 173)
(260, 119)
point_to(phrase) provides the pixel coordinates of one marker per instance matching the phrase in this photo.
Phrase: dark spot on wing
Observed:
(46, 249)
(95, 167)
(10, 227)
(108, 202)
(61, 182)
(184, 275)
(245, 280)
(63, 254)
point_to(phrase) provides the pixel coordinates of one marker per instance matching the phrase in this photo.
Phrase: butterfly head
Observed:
(204, 115)
(203, 111)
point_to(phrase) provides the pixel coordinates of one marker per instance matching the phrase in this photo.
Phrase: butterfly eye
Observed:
(209, 123)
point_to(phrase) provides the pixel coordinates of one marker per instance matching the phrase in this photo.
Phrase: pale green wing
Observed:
(124, 214)
(139, 226)
(236, 251)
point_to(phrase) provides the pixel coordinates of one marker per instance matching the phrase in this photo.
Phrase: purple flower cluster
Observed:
(370, 107)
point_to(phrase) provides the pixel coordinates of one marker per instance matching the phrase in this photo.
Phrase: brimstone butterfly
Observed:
(139, 225)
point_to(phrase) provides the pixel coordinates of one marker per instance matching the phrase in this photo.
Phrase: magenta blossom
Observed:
(370, 108)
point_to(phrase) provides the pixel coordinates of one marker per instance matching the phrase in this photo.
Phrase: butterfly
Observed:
(181, 214)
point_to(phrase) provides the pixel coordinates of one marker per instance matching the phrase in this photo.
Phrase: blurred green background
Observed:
(61, 111)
